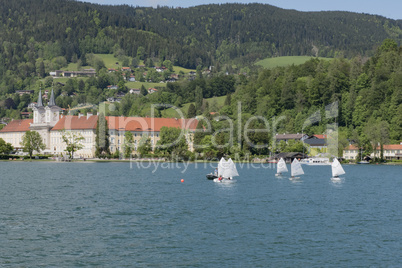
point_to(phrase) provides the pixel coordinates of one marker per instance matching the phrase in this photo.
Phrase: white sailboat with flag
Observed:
(281, 167)
(226, 171)
(337, 170)
(296, 169)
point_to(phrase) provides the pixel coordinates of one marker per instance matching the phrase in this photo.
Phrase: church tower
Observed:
(52, 111)
(45, 118)
(39, 110)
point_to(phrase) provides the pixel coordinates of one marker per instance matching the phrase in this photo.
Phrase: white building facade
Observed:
(48, 122)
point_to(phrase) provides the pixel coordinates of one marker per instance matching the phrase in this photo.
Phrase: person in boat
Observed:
(220, 177)
(216, 172)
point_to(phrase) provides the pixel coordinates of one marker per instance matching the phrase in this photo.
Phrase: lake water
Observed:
(123, 215)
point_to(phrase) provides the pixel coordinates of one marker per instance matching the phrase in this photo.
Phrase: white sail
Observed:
(281, 166)
(337, 168)
(222, 166)
(232, 171)
(296, 168)
(227, 168)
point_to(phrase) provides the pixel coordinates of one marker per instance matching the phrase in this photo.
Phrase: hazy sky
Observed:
(387, 8)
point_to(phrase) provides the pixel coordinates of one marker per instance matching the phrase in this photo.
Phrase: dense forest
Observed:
(364, 77)
(202, 35)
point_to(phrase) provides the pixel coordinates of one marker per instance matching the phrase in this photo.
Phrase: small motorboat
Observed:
(211, 176)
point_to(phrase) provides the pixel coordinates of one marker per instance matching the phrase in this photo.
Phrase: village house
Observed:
(152, 90)
(84, 73)
(113, 99)
(112, 87)
(391, 152)
(287, 137)
(135, 91)
(26, 114)
(126, 69)
(22, 92)
(160, 69)
(316, 146)
(31, 105)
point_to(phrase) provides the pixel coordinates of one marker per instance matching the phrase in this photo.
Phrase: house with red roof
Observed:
(391, 152)
(152, 90)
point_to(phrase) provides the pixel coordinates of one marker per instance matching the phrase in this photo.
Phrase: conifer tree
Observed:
(102, 138)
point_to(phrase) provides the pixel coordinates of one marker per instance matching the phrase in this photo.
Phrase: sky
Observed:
(387, 8)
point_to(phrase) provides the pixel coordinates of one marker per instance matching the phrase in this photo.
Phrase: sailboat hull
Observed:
(294, 178)
(224, 180)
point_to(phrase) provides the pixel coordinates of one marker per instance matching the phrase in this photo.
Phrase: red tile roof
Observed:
(70, 122)
(320, 136)
(392, 147)
(386, 147)
(148, 124)
(351, 147)
(74, 122)
(18, 126)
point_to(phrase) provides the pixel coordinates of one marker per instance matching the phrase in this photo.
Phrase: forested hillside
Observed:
(368, 96)
(203, 35)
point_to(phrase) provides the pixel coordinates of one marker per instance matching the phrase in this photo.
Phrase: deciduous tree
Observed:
(5, 147)
(32, 141)
(72, 141)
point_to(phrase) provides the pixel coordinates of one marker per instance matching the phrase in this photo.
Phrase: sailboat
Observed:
(226, 171)
(281, 167)
(337, 170)
(296, 169)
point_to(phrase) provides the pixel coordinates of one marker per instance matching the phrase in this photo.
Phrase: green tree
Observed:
(198, 98)
(168, 64)
(72, 141)
(5, 147)
(102, 138)
(191, 113)
(145, 146)
(173, 142)
(209, 151)
(141, 53)
(377, 132)
(143, 91)
(128, 144)
(228, 100)
(32, 141)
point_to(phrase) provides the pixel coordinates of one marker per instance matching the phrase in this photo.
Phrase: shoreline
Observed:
(93, 160)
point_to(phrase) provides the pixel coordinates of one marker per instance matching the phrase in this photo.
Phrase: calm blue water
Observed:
(111, 215)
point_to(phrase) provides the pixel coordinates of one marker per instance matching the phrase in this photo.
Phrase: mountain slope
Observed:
(206, 35)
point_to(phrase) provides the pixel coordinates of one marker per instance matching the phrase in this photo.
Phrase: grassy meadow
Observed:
(269, 63)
